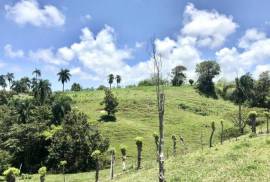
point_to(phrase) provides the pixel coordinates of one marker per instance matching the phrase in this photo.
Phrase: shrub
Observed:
(74, 142)
(42, 172)
(11, 173)
(123, 150)
(76, 87)
(102, 87)
(110, 102)
(5, 160)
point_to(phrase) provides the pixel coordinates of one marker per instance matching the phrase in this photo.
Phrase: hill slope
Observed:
(243, 160)
(137, 116)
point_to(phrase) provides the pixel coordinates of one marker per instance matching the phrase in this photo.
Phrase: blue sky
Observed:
(98, 37)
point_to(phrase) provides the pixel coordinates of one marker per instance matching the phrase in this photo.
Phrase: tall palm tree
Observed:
(42, 90)
(10, 78)
(23, 109)
(110, 79)
(64, 76)
(118, 79)
(37, 73)
(3, 83)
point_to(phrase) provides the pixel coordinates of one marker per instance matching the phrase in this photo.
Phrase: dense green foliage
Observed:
(76, 87)
(178, 75)
(206, 71)
(43, 130)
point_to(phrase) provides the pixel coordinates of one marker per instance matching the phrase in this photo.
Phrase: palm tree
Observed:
(64, 76)
(23, 109)
(118, 79)
(43, 90)
(10, 78)
(3, 83)
(110, 79)
(37, 73)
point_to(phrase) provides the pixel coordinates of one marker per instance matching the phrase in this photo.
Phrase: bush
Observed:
(5, 159)
(76, 87)
(42, 171)
(11, 173)
(231, 133)
(110, 102)
(74, 143)
(102, 87)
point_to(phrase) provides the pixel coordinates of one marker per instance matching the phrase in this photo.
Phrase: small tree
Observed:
(267, 115)
(118, 80)
(76, 87)
(110, 102)
(96, 156)
(42, 173)
(110, 80)
(207, 70)
(11, 173)
(252, 118)
(212, 134)
(112, 153)
(156, 138)
(139, 143)
(191, 81)
(221, 133)
(63, 166)
(178, 75)
(174, 144)
(123, 150)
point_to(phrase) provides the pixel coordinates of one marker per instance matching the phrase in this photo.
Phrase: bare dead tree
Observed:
(157, 58)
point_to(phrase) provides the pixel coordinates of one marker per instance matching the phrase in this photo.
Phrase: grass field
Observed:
(137, 116)
(186, 114)
(246, 159)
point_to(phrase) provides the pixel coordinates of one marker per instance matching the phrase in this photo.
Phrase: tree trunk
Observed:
(221, 135)
(124, 163)
(161, 137)
(97, 171)
(241, 129)
(174, 148)
(267, 124)
(253, 123)
(211, 139)
(63, 87)
(42, 178)
(112, 167)
(139, 158)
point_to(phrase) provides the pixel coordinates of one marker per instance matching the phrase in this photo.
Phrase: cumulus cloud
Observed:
(48, 56)
(256, 54)
(251, 36)
(210, 28)
(9, 52)
(30, 12)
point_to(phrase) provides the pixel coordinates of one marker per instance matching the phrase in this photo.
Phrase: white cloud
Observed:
(256, 54)
(48, 56)
(2, 64)
(209, 27)
(251, 36)
(13, 53)
(30, 12)
(86, 18)
(139, 45)
(77, 71)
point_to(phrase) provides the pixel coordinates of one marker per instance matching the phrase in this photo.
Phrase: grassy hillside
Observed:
(244, 160)
(137, 116)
